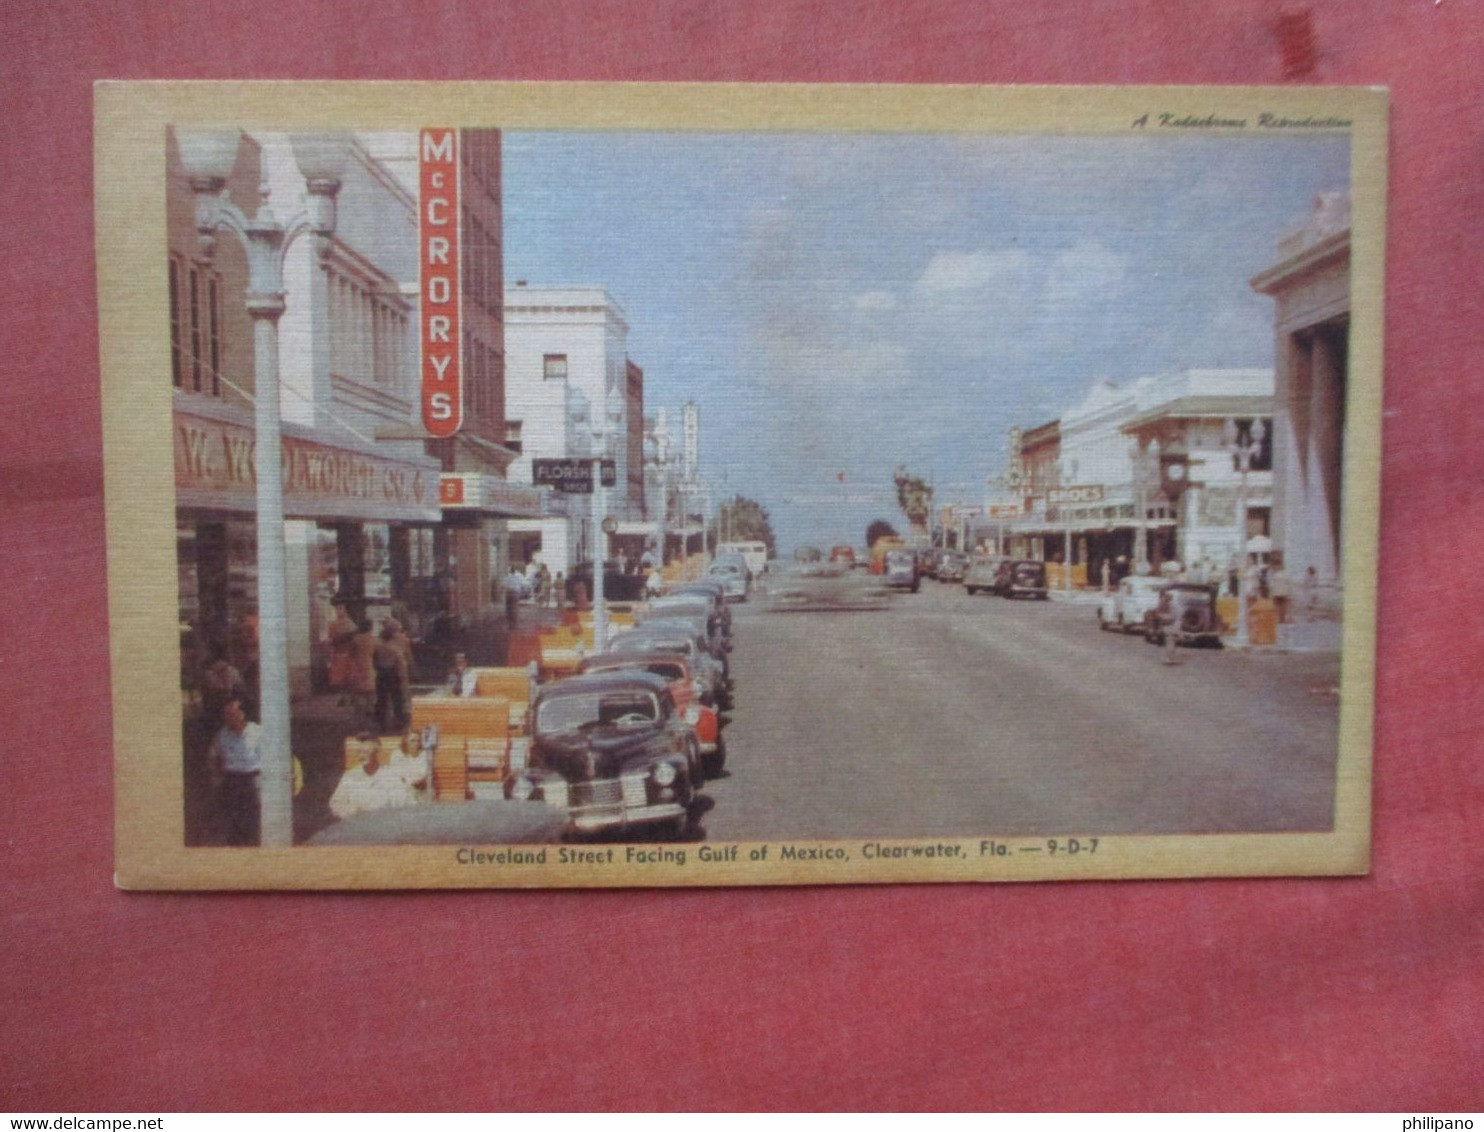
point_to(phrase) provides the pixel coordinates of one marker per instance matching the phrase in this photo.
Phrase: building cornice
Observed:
(1323, 253)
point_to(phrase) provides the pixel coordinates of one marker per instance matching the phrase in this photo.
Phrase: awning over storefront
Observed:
(215, 471)
(475, 492)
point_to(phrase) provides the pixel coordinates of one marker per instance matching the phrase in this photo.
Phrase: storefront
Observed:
(354, 516)
(478, 511)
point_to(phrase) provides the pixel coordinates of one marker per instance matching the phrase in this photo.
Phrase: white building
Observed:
(1310, 286)
(1141, 474)
(567, 374)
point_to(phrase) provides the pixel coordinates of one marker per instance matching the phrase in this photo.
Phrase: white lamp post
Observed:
(208, 157)
(1146, 470)
(1243, 453)
(1071, 468)
(605, 427)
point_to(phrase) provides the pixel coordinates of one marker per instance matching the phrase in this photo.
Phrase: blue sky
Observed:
(849, 303)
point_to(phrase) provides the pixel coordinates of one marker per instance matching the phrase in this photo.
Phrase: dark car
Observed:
(611, 750)
(900, 568)
(687, 689)
(951, 565)
(1186, 612)
(1022, 578)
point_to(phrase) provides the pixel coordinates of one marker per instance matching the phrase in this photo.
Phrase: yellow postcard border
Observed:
(130, 122)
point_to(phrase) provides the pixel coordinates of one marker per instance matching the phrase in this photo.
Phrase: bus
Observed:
(755, 554)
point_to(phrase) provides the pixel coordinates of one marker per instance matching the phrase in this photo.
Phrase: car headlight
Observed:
(693, 715)
(664, 774)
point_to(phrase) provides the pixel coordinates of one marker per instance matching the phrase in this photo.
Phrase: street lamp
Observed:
(1066, 566)
(605, 428)
(1243, 452)
(208, 157)
(1146, 466)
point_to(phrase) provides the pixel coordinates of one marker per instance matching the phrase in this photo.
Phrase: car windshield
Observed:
(589, 711)
(682, 605)
(642, 643)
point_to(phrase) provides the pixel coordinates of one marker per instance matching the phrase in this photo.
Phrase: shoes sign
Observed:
(573, 476)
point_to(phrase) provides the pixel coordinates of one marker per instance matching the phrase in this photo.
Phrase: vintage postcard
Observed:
(560, 485)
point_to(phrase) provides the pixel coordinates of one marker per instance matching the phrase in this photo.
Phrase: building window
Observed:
(195, 328)
(554, 367)
(176, 375)
(214, 333)
(368, 334)
(1262, 459)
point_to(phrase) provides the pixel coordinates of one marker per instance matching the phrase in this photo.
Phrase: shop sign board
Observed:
(571, 474)
(216, 469)
(473, 491)
(1076, 493)
(440, 310)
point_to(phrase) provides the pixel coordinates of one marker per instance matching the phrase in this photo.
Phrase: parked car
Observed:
(669, 636)
(734, 576)
(982, 573)
(1124, 609)
(951, 565)
(611, 750)
(901, 570)
(927, 562)
(844, 555)
(1185, 611)
(691, 607)
(687, 689)
(713, 591)
(1022, 578)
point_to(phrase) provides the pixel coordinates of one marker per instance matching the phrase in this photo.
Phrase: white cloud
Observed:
(1085, 276)
(875, 301)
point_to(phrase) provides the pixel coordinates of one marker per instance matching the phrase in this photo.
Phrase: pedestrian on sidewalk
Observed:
(392, 677)
(1281, 589)
(341, 633)
(361, 678)
(236, 756)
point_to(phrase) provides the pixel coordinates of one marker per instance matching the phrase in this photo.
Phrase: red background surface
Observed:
(1357, 993)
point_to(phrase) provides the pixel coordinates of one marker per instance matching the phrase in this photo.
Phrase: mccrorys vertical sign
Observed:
(441, 333)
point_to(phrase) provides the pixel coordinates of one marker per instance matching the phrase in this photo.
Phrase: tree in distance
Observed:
(914, 497)
(744, 520)
(879, 529)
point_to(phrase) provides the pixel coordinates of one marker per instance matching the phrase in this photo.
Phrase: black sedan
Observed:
(611, 751)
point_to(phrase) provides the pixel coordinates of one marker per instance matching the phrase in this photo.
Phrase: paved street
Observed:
(955, 715)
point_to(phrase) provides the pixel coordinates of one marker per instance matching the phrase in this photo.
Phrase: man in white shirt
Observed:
(237, 757)
(463, 680)
(373, 786)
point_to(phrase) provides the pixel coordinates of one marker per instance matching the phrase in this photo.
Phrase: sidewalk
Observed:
(321, 724)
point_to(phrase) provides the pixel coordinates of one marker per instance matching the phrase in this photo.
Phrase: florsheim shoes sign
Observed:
(572, 475)
(440, 296)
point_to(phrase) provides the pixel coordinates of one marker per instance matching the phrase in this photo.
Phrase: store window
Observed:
(554, 367)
